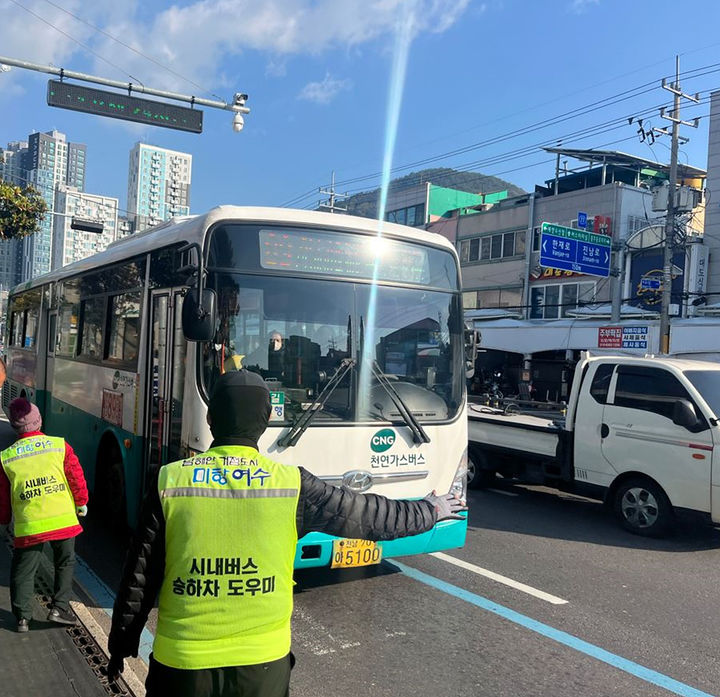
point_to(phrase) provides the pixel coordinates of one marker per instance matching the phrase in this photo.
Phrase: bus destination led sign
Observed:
(89, 100)
(340, 254)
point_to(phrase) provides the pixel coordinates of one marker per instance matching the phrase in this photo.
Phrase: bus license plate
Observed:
(347, 553)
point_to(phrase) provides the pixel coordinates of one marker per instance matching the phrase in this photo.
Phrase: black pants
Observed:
(25, 562)
(263, 680)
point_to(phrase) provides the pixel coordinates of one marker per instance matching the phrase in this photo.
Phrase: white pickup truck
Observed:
(639, 434)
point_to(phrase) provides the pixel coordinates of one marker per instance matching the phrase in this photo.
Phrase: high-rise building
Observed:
(73, 245)
(50, 161)
(125, 227)
(158, 184)
(13, 169)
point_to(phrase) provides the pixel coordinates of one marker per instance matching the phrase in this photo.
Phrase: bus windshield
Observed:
(296, 331)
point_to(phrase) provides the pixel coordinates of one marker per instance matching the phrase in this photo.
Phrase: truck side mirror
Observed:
(198, 321)
(684, 414)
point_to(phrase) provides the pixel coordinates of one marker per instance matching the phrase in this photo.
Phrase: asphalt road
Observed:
(640, 616)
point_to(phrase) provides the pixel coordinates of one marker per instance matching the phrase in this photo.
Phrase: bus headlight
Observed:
(459, 485)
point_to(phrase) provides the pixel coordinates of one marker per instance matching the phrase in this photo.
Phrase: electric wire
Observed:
(134, 50)
(608, 101)
(72, 38)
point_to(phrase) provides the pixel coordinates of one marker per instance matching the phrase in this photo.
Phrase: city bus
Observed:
(358, 335)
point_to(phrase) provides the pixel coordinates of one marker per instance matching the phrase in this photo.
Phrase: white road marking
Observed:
(504, 493)
(542, 595)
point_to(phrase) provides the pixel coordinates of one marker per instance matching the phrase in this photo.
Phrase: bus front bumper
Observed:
(315, 549)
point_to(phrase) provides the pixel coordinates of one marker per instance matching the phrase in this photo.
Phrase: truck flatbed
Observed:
(498, 430)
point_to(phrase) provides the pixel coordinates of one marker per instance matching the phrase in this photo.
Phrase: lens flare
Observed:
(404, 33)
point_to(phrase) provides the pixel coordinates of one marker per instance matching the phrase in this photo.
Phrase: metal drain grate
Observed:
(83, 640)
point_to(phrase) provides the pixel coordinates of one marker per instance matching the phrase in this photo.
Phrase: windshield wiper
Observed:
(299, 427)
(419, 434)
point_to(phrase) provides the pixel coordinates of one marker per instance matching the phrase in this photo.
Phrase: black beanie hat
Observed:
(239, 406)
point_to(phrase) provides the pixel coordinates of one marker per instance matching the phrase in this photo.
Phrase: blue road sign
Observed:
(650, 283)
(574, 250)
(582, 220)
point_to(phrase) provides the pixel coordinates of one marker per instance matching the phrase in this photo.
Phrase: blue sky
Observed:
(317, 72)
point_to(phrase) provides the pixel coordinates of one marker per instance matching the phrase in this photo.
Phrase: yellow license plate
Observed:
(347, 553)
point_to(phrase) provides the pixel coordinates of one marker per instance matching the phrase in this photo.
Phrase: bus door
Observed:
(167, 377)
(51, 339)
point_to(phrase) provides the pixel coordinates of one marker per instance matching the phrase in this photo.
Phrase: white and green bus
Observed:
(359, 337)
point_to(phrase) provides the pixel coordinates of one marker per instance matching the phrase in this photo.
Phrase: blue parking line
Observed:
(105, 598)
(646, 674)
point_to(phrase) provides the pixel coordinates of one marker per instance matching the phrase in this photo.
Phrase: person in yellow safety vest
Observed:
(217, 541)
(42, 486)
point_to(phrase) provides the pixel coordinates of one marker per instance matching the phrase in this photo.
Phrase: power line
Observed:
(72, 38)
(134, 50)
(608, 101)
(591, 131)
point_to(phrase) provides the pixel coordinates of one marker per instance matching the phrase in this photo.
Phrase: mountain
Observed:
(366, 202)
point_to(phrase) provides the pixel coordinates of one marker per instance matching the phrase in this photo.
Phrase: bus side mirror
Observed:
(472, 340)
(198, 321)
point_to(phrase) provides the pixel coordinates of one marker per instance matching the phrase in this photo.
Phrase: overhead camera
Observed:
(238, 123)
(240, 98)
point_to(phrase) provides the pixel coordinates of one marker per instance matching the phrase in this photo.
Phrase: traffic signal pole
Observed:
(237, 105)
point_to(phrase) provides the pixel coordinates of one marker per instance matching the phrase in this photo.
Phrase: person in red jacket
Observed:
(42, 484)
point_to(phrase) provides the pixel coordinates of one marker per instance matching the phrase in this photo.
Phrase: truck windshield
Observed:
(707, 383)
(295, 332)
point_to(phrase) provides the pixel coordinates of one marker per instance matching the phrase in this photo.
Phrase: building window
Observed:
(470, 300)
(536, 239)
(556, 300)
(500, 297)
(498, 246)
(414, 216)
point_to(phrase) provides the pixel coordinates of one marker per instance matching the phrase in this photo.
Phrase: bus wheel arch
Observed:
(110, 492)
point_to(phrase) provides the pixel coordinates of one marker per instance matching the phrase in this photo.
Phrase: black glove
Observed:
(115, 666)
(447, 507)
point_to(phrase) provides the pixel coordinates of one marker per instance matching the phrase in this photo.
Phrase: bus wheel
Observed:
(110, 490)
(643, 508)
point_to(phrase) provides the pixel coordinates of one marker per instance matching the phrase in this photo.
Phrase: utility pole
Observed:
(670, 218)
(329, 204)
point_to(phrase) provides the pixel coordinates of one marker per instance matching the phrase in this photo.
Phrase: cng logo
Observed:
(383, 440)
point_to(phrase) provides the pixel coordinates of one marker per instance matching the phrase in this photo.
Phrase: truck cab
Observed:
(645, 431)
(639, 433)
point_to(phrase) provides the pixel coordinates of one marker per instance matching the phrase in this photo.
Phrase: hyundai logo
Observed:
(357, 481)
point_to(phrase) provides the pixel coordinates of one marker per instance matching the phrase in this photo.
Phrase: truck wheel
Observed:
(478, 474)
(643, 508)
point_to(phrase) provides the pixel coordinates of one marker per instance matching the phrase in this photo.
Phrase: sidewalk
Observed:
(44, 662)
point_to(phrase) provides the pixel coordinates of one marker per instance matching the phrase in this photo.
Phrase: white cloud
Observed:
(580, 6)
(203, 39)
(276, 68)
(324, 92)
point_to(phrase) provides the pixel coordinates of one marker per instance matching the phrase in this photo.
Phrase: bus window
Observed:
(124, 328)
(25, 309)
(31, 323)
(16, 330)
(92, 312)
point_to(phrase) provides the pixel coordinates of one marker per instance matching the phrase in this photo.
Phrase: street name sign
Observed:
(89, 100)
(574, 250)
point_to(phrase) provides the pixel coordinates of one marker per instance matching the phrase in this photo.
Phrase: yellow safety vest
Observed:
(230, 537)
(41, 498)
